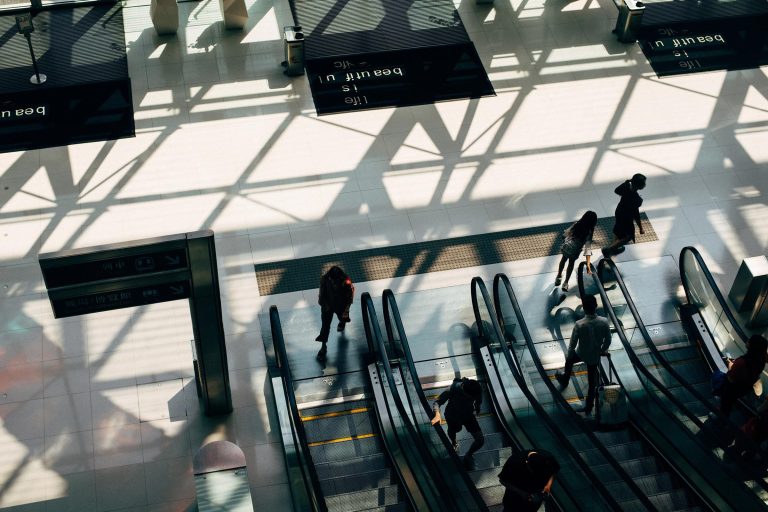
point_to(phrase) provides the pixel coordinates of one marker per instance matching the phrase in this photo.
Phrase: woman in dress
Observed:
(627, 214)
(577, 237)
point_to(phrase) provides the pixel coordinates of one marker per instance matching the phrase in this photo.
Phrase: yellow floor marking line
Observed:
(341, 439)
(334, 414)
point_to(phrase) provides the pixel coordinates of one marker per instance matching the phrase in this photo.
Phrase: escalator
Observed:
(441, 460)
(419, 396)
(663, 427)
(351, 452)
(708, 319)
(590, 478)
(685, 367)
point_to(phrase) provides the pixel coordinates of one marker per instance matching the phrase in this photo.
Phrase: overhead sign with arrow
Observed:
(141, 272)
(144, 272)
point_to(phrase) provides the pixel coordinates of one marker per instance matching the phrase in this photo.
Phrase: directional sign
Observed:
(144, 272)
(71, 270)
(122, 298)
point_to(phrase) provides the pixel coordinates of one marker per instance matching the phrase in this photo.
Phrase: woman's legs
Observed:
(568, 272)
(615, 244)
(560, 270)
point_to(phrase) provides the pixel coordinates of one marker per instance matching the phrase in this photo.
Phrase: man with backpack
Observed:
(464, 398)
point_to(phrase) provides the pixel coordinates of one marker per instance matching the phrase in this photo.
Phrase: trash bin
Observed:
(293, 43)
(629, 21)
(750, 289)
(221, 478)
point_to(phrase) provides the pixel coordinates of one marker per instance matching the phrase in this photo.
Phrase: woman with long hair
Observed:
(743, 373)
(627, 214)
(336, 295)
(577, 237)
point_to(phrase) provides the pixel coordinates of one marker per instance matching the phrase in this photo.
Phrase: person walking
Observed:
(577, 237)
(527, 477)
(743, 373)
(335, 297)
(590, 339)
(464, 398)
(627, 214)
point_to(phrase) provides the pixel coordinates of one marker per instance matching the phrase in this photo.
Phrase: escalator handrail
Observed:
(479, 284)
(391, 308)
(650, 345)
(418, 475)
(723, 305)
(614, 269)
(308, 470)
(712, 284)
(709, 496)
(500, 279)
(630, 351)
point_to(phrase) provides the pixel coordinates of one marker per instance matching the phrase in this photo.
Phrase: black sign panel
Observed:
(145, 261)
(124, 297)
(726, 44)
(87, 95)
(399, 78)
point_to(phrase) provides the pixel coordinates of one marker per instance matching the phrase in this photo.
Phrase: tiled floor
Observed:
(100, 413)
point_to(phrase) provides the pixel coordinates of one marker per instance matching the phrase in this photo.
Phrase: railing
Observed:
(302, 475)
(416, 469)
(432, 436)
(559, 408)
(702, 291)
(572, 490)
(696, 426)
(658, 359)
(673, 443)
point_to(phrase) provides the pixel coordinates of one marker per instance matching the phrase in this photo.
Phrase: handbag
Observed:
(718, 382)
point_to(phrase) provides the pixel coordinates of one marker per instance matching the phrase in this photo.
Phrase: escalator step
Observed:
(486, 459)
(359, 482)
(692, 371)
(364, 500)
(634, 468)
(659, 483)
(681, 353)
(493, 441)
(338, 427)
(351, 467)
(615, 437)
(627, 451)
(642, 466)
(329, 409)
(402, 506)
(492, 495)
(620, 491)
(674, 500)
(632, 506)
(580, 442)
(488, 477)
(339, 452)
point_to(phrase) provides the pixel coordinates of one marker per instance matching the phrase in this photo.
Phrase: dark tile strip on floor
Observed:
(432, 256)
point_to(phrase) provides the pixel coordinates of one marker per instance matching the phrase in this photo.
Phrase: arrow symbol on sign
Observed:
(172, 260)
(177, 289)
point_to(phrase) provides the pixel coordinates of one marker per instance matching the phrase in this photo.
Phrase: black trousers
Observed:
(326, 317)
(593, 378)
(473, 427)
